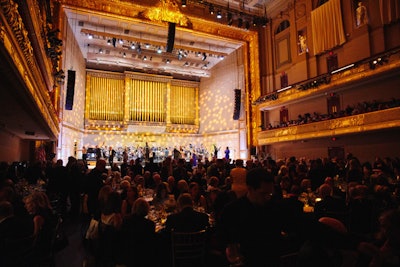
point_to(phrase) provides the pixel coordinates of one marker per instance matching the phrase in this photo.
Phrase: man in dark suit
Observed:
(94, 182)
(187, 219)
(111, 155)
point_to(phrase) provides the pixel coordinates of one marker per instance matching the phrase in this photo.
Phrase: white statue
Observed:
(361, 14)
(303, 44)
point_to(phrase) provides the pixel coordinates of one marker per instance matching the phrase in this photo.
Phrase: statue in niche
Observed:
(303, 44)
(361, 14)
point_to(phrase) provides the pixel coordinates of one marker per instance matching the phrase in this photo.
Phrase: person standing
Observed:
(216, 149)
(84, 154)
(238, 176)
(227, 152)
(111, 155)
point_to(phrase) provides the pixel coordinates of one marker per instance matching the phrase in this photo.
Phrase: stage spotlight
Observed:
(219, 14)
(204, 57)
(183, 3)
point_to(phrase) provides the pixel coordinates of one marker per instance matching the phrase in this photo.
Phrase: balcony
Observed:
(372, 121)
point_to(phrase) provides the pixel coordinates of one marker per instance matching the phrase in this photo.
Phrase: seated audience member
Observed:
(333, 248)
(361, 211)
(187, 219)
(213, 183)
(161, 195)
(8, 193)
(123, 187)
(109, 225)
(44, 222)
(182, 187)
(137, 237)
(11, 230)
(7, 221)
(131, 195)
(330, 206)
(199, 200)
(386, 250)
(250, 226)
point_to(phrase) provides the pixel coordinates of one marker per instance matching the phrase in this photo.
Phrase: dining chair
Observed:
(188, 248)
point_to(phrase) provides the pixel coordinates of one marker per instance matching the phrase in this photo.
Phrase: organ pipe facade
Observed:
(115, 100)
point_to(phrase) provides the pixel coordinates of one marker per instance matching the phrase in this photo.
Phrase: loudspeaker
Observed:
(236, 111)
(171, 37)
(69, 98)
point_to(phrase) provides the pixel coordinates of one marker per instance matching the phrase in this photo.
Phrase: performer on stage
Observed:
(227, 153)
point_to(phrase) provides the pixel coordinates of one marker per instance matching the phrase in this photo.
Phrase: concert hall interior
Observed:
(268, 78)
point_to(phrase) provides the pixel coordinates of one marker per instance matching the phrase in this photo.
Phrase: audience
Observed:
(354, 193)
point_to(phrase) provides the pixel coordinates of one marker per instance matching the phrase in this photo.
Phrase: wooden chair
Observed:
(188, 249)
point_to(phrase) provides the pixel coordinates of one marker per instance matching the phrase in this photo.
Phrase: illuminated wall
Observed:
(216, 124)
(71, 130)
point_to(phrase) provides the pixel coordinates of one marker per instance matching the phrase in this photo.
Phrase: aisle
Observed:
(74, 255)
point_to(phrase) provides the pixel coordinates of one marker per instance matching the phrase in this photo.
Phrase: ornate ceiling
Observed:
(141, 43)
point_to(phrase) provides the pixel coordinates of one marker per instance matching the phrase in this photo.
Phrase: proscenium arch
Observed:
(131, 11)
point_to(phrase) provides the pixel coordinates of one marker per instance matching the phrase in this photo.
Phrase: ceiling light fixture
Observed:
(183, 3)
(219, 14)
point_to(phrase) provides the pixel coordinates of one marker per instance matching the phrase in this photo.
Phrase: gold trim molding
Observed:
(15, 39)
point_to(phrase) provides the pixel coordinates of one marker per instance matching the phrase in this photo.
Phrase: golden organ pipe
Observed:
(97, 103)
(134, 99)
(106, 101)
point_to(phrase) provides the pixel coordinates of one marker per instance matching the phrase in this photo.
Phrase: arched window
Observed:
(282, 26)
(321, 2)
